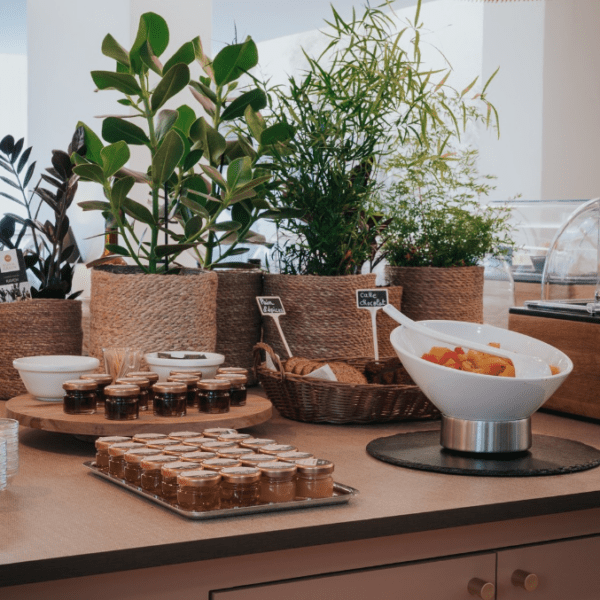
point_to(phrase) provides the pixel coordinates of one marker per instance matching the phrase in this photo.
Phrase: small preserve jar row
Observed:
(216, 469)
(142, 391)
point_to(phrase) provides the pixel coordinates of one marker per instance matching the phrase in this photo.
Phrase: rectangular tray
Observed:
(341, 495)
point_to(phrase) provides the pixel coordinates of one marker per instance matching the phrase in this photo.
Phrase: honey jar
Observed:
(234, 437)
(253, 460)
(215, 445)
(314, 479)
(277, 482)
(152, 377)
(255, 443)
(162, 443)
(293, 456)
(198, 374)
(80, 397)
(217, 464)
(148, 438)
(196, 441)
(237, 391)
(116, 462)
(232, 371)
(169, 473)
(240, 486)
(151, 477)
(191, 381)
(234, 452)
(178, 449)
(198, 456)
(277, 448)
(132, 466)
(121, 402)
(170, 399)
(102, 379)
(102, 444)
(213, 396)
(181, 436)
(215, 432)
(144, 384)
(199, 490)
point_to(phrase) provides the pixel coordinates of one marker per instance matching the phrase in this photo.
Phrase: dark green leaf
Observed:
(186, 116)
(9, 182)
(7, 144)
(63, 228)
(226, 226)
(237, 251)
(195, 207)
(185, 55)
(202, 59)
(114, 157)
(167, 157)
(94, 205)
(17, 150)
(239, 172)
(245, 195)
(235, 60)
(138, 211)
(255, 122)
(241, 214)
(12, 198)
(29, 174)
(118, 130)
(62, 164)
(23, 160)
(162, 251)
(90, 172)
(214, 175)
(66, 253)
(52, 181)
(280, 132)
(123, 82)
(116, 249)
(120, 189)
(257, 99)
(166, 120)
(193, 226)
(192, 159)
(209, 139)
(93, 144)
(150, 59)
(174, 80)
(125, 102)
(112, 49)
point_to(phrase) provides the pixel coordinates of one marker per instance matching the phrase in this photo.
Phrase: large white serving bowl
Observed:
(163, 366)
(44, 376)
(473, 396)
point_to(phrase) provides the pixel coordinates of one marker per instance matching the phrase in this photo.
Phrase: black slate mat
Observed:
(547, 456)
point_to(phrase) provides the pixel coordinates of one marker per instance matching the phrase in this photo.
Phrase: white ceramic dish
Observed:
(44, 376)
(163, 366)
(473, 396)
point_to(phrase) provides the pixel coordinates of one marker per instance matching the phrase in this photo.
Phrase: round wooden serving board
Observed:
(49, 416)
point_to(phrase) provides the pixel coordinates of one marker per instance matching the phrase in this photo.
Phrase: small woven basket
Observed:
(320, 401)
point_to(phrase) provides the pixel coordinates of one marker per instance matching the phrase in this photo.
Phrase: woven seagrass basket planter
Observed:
(35, 328)
(321, 316)
(238, 317)
(150, 312)
(454, 293)
(385, 323)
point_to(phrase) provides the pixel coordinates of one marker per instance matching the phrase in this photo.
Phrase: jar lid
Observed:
(198, 478)
(179, 449)
(170, 387)
(255, 459)
(235, 378)
(234, 437)
(175, 468)
(142, 382)
(240, 474)
(191, 381)
(294, 455)
(234, 452)
(80, 385)
(148, 437)
(120, 449)
(275, 448)
(214, 384)
(102, 443)
(99, 378)
(256, 443)
(276, 469)
(138, 454)
(232, 371)
(196, 441)
(215, 432)
(152, 463)
(153, 377)
(198, 374)
(122, 390)
(314, 466)
(198, 455)
(216, 445)
(162, 443)
(216, 464)
(181, 435)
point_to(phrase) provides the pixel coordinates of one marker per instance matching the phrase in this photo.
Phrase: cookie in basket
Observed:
(290, 363)
(347, 374)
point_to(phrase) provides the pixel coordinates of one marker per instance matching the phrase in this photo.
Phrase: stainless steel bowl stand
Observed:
(485, 436)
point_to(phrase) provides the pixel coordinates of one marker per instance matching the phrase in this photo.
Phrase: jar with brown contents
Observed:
(102, 445)
(237, 392)
(215, 432)
(218, 464)
(275, 449)
(238, 438)
(116, 461)
(80, 397)
(293, 456)
(234, 452)
(179, 449)
(132, 467)
(198, 374)
(198, 456)
(162, 443)
(278, 481)
(182, 436)
(255, 459)
(314, 479)
(213, 396)
(215, 445)
(144, 384)
(195, 441)
(191, 381)
(240, 486)
(199, 490)
(102, 379)
(148, 438)
(256, 443)
(151, 477)
(232, 371)
(170, 398)
(152, 377)
(169, 473)
(121, 402)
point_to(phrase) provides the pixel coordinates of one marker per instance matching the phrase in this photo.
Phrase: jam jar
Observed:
(152, 377)
(182, 436)
(237, 391)
(170, 399)
(232, 371)
(278, 481)
(293, 456)
(179, 449)
(215, 445)
(132, 467)
(191, 381)
(213, 396)
(234, 452)
(256, 459)
(256, 443)
(275, 449)
(196, 441)
(80, 397)
(199, 490)
(121, 402)
(198, 374)
(169, 473)
(234, 437)
(198, 456)
(148, 438)
(216, 464)
(215, 432)
(144, 384)
(102, 379)
(116, 462)
(240, 486)
(162, 443)
(151, 477)
(315, 478)
(102, 444)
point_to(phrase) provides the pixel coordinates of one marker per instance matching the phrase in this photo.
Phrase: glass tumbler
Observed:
(9, 431)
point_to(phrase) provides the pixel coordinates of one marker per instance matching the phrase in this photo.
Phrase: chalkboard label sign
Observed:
(371, 298)
(270, 305)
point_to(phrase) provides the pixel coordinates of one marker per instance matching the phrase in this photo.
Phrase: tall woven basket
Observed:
(385, 323)
(238, 317)
(35, 328)
(321, 316)
(152, 313)
(454, 293)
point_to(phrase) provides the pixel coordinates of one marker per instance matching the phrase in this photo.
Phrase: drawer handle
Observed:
(528, 581)
(482, 589)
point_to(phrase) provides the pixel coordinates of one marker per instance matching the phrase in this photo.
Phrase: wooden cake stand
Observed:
(49, 416)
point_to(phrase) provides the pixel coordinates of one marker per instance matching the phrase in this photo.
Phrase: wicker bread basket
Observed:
(319, 401)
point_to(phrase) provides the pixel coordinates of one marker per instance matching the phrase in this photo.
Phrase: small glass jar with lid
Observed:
(237, 392)
(240, 486)
(232, 371)
(80, 397)
(278, 481)
(255, 459)
(314, 479)
(199, 490)
(256, 443)
(195, 441)
(116, 453)
(144, 384)
(170, 398)
(191, 381)
(234, 452)
(275, 449)
(179, 449)
(162, 443)
(293, 456)
(121, 402)
(151, 477)
(215, 432)
(213, 396)
(102, 379)
(198, 456)
(198, 374)
(217, 464)
(102, 444)
(148, 438)
(234, 437)
(182, 436)
(215, 445)
(169, 473)
(132, 468)
(152, 377)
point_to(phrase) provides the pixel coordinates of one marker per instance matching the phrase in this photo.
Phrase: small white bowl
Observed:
(163, 366)
(44, 376)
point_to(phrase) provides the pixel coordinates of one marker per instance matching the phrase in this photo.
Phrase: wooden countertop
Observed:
(58, 520)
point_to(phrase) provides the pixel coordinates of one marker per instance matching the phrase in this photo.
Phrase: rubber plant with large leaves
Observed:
(212, 185)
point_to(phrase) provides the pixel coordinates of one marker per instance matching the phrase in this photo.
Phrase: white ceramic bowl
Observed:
(163, 366)
(44, 376)
(473, 396)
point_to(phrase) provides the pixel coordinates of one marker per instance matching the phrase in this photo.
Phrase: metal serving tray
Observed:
(341, 495)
